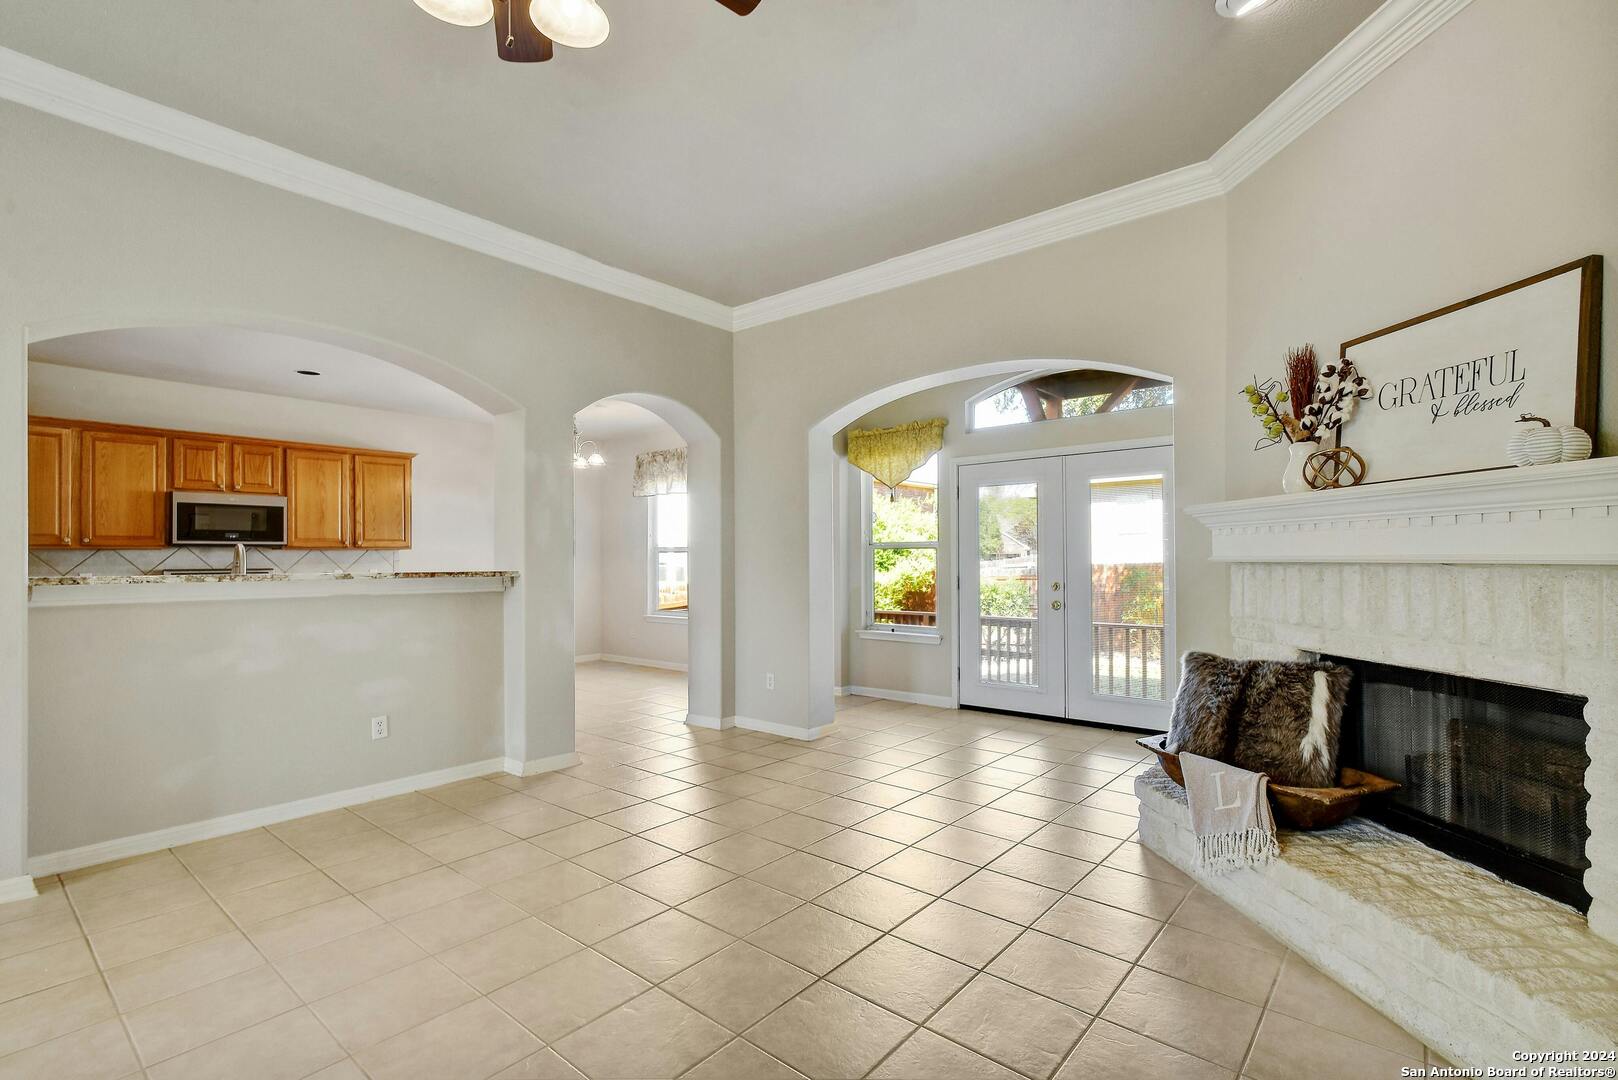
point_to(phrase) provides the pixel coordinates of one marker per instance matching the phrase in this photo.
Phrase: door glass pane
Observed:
(905, 586)
(1126, 580)
(1008, 583)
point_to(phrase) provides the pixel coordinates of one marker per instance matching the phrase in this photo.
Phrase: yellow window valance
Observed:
(892, 454)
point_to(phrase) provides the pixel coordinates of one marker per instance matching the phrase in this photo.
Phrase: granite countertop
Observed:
(160, 579)
(149, 588)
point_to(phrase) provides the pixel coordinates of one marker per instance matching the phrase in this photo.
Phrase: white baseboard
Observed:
(17, 888)
(587, 658)
(641, 661)
(712, 723)
(143, 843)
(786, 731)
(935, 700)
(541, 765)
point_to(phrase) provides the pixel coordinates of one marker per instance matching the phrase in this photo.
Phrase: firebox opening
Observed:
(1493, 773)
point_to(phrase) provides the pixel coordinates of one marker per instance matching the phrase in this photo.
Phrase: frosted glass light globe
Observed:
(578, 24)
(459, 12)
(1235, 9)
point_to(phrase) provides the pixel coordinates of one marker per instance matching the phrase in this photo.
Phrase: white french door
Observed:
(1066, 586)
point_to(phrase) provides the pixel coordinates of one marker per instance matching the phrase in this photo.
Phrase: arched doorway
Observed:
(824, 534)
(687, 563)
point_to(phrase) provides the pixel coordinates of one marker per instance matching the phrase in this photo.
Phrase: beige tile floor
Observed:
(922, 894)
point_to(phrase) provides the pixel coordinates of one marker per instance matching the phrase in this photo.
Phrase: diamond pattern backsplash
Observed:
(69, 562)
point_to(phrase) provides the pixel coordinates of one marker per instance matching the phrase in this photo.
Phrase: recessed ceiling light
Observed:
(1235, 9)
(306, 371)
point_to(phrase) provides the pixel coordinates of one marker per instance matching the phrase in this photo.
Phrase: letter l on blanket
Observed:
(1230, 814)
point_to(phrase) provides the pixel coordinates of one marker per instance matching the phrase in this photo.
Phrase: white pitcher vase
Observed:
(1292, 481)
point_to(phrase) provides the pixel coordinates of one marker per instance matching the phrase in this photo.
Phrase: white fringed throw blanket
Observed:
(1230, 814)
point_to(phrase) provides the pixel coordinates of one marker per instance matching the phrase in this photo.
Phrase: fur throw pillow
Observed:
(1205, 705)
(1291, 717)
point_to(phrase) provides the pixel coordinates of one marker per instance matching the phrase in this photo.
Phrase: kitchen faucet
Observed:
(238, 565)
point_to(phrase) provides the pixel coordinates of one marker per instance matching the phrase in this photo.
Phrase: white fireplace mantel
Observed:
(1563, 514)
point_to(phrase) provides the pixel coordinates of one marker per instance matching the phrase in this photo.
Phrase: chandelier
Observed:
(586, 454)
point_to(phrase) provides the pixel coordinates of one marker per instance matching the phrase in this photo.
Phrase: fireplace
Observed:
(1493, 773)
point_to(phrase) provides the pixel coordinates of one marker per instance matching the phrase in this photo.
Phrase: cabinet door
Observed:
(320, 507)
(124, 489)
(50, 486)
(255, 468)
(381, 501)
(199, 463)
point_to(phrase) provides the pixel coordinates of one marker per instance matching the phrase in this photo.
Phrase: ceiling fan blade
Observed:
(741, 7)
(515, 36)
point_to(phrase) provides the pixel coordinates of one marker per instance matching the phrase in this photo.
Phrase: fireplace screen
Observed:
(1492, 773)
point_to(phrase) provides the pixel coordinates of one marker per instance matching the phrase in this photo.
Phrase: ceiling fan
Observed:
(527, 31)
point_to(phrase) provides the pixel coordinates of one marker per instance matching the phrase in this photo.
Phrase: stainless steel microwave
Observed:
(209, 517)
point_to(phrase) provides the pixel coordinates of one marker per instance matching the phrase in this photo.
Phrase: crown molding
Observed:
(1153, 195)
(1389, 33)
(1386, 35)
(70, 96)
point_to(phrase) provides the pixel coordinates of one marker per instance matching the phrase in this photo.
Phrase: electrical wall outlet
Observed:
(769, 681)
(379, 727)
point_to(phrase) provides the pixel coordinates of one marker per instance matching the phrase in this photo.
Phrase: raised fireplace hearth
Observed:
(1491, 772)
(1499, 577)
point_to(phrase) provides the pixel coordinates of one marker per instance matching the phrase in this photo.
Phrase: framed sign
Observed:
(1447, 387)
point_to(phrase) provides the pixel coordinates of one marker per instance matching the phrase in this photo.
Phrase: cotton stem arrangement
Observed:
(1318, 401)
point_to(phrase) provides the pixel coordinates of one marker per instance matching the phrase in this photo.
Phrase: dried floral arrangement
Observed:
(1318, 401)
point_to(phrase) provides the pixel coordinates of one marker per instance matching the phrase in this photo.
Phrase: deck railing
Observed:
(1126, 658)
(1008, 650)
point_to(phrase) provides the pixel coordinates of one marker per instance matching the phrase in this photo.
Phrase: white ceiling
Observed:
(260, 362)
(735, 158)
(609, 419)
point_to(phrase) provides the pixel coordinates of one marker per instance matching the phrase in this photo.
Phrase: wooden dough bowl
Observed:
(1300, 807)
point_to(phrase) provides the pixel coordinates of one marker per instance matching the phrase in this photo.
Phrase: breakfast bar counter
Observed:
(171, 588)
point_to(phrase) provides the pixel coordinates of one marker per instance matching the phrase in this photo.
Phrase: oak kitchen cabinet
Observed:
(200, 463)
(125, 484)
(51, 486)
(320, 500)
(105, 485)
(207, 463)
(255, 468)
(381, 501)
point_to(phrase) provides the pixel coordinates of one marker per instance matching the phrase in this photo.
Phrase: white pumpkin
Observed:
(1546, 444)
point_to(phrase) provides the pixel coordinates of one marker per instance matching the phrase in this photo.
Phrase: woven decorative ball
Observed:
(1339, 467)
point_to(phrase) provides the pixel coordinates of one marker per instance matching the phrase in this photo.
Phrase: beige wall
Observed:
(587, 563)
(1487, 154)
(613, 576)
(147, 716)
(1149, 294)
(907, 668)
(169, 241)
(452, 476)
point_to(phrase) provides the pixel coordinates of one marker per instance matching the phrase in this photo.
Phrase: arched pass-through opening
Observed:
(707, 587)
(822, 506)
(360, 370)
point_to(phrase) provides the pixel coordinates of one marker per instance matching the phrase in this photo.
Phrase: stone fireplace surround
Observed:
(1509, 575)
